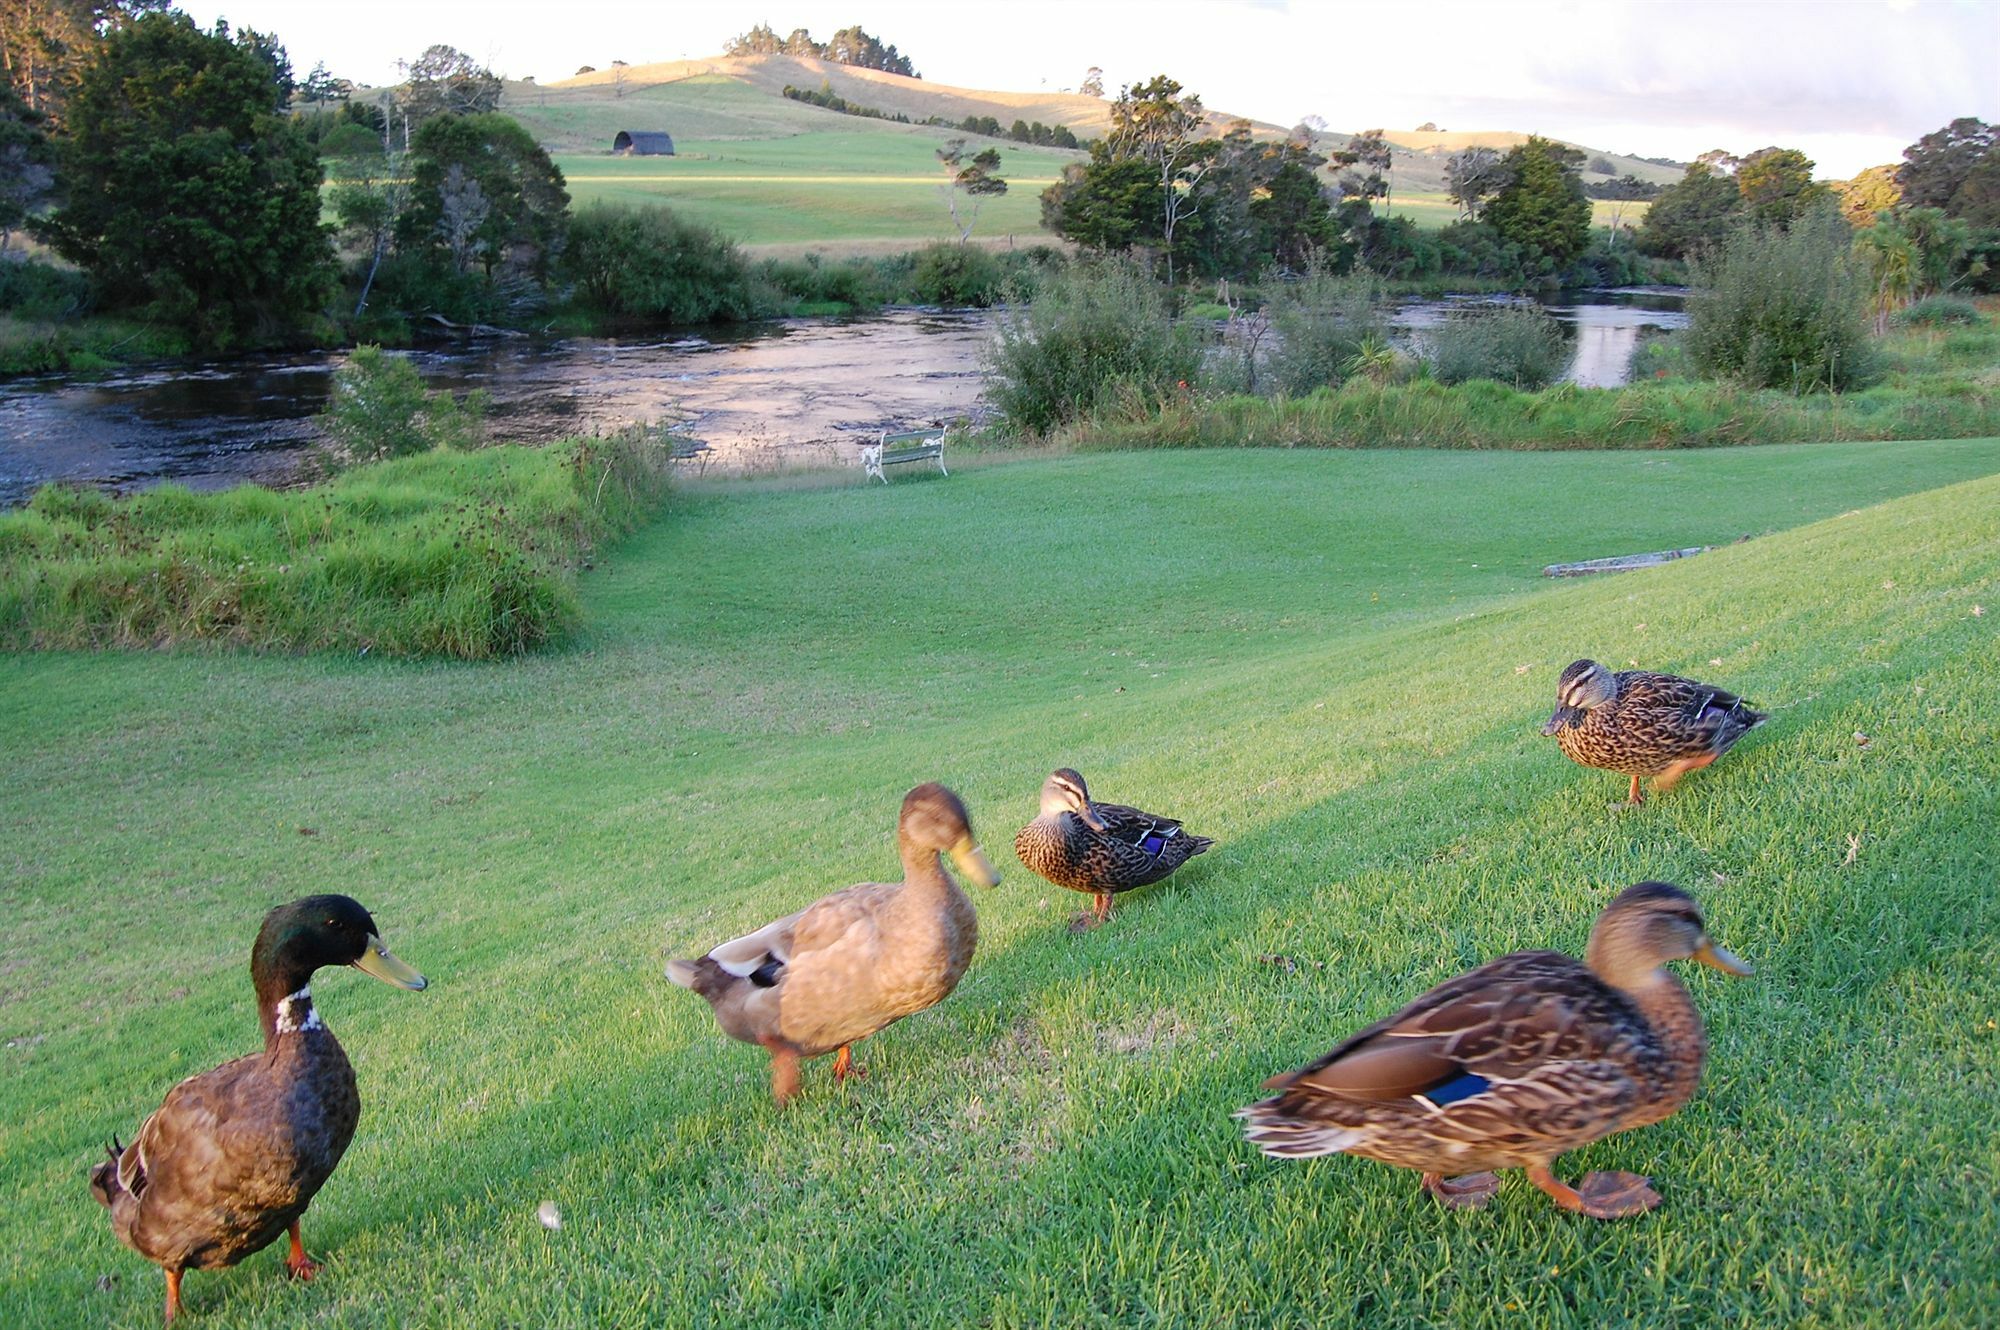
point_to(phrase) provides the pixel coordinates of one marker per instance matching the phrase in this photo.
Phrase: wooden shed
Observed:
(643, 143)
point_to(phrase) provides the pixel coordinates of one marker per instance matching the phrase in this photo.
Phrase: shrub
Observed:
(1783, 308)
(957, 275)
(1518, 345)
(378, 409)
(351, 140)
(1937, 311)
(816, 284)
(1094, 332)
(647, 263)
(34, 290)
(1323, 323)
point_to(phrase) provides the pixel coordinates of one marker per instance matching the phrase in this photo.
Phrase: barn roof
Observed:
(644, 142)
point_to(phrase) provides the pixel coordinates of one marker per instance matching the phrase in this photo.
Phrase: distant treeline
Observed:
(1022, 131)
(1624, 187)
(850, 46)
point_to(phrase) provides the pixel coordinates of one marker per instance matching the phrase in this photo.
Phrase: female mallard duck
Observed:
(234, 1156)
(1515, 1063)
(1643, 724)
(1098, 848)
(857, 960)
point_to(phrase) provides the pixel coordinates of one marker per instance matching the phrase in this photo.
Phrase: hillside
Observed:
(718, 108)
(1335, 663)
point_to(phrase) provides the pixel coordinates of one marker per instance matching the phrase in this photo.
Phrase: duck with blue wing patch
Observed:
(1515, 1063)
(1101, 849)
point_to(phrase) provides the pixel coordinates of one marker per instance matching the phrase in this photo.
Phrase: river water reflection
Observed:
(782, 393)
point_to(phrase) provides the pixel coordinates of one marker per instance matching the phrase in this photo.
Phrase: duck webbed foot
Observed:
(302, 1266)
(1474, 1191)
(843, 1065)
(1616, 1195)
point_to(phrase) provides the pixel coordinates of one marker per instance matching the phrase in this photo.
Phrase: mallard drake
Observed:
(1101, 849)
(1515, 1063)
(234, 1156)
(1643, 724)
(857, 960)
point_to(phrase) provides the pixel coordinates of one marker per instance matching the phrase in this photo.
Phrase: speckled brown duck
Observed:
(857, 960)
(1639, 723)
(1101, 849)
(234, 1156)
(1515, 1063)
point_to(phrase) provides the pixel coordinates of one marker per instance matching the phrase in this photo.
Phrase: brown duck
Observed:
(234, 1156)
(1101, 849)
(1515, 1063)
(857, 960)
(1643, 724)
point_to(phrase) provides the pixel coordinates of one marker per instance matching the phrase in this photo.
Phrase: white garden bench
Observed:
(910, 445)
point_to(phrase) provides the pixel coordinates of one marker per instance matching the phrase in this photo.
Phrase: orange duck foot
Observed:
(1474, 1191)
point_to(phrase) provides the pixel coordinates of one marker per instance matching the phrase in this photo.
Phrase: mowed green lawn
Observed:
(1335, 663)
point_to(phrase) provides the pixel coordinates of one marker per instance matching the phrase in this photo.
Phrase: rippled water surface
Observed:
(791, 391)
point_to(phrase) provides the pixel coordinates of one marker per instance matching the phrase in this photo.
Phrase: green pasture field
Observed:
(1336, 663)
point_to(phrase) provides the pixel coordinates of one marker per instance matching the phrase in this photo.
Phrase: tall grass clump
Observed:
(1938, 312)
(1328, 326)
(378, 408)
(468, 555)
(1521, 346)
(1092, 334)
(1783, 308)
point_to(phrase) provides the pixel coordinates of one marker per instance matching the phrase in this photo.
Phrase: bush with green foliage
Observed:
(351, 140)
(1521, 346)
(1783, 308)
(958, 276)
(1323, 322)
(1695, 213)
(1092, 332)
(188, 196)
(648, 263)
(378, 408)
(483, 194)
(33, 290)
(1938, 312)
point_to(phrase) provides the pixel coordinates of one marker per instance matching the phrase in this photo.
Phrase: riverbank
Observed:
(468, 555)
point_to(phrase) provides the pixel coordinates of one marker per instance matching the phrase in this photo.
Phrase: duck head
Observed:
(1585, 684)
(1065, 792)
(1647, 925)
(935, 819)
(317, 931)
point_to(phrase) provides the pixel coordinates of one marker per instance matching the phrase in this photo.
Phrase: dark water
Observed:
(783, 393)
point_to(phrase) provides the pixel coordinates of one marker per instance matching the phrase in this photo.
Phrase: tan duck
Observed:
(1639, 723)
(1101, 849)
(857, 960)
(234, 1156)
(1515, 1063)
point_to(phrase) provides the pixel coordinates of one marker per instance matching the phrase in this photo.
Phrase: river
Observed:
(788, 392)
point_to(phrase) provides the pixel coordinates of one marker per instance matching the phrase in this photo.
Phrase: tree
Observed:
(1977, 200)
(272, 52)
(1109, 203)
(1542, 207)
(1370, 151)
(976, 176)
(1473, 175)
(369, 196)
(187, 194)
(1093, 82)
(27, 165)
(854, 46)
(45, 45)
(1158, 124)
(321, 87)
(1936, 165)
(1870, 192)
(446, 81)
(522, 194)
(1694, 213)
(1777, 184)
(761, 40)
(1294, 222)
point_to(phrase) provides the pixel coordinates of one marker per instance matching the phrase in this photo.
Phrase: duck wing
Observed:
(1532, 1045)
(1696, 714)
(1143, 847)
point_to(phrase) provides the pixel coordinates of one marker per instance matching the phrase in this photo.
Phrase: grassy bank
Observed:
(1939, 383)
(454, 554)
(1336, 663)
(48, 346)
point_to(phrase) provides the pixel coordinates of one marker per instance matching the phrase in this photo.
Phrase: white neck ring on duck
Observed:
(296, 1013)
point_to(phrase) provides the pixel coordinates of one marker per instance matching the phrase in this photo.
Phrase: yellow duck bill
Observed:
(381, 963)
(972, 862)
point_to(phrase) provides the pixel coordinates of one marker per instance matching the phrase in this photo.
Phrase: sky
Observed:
(1852, 82)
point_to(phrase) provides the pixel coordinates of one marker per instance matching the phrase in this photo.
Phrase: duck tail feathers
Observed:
(104, 1184)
